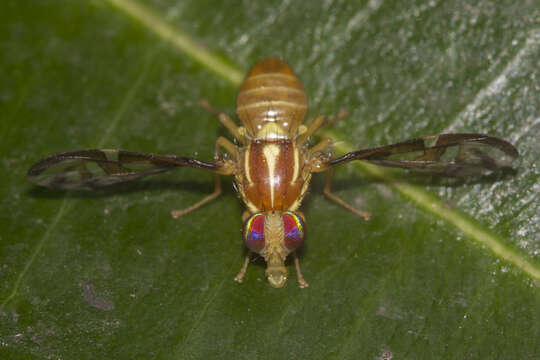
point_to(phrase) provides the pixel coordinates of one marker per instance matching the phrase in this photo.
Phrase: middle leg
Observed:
(328, 193)
(317, 156)
(231, 149)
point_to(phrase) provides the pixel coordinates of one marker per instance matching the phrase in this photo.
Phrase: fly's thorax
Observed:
(271, 94)
(274, 175)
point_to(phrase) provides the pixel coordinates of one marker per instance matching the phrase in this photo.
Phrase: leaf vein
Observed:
(179, 39)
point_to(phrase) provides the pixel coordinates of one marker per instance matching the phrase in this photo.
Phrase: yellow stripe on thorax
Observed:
(271, 153)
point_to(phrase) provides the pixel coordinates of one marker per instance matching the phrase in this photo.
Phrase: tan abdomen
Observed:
(271, 92)
(273, 176)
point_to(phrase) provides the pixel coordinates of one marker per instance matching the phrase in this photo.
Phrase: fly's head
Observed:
(274, 235)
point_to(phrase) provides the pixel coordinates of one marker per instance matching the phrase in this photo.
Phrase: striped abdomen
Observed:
(271, 93)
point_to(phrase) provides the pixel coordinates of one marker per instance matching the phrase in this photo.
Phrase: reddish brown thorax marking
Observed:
(272, 174)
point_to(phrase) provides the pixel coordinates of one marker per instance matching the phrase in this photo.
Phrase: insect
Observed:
(272, 164)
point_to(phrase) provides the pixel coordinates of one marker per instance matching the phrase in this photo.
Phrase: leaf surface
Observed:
(440, 271)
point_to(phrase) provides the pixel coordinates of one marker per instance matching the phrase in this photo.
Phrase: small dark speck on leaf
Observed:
(385, 355)
(95, 301)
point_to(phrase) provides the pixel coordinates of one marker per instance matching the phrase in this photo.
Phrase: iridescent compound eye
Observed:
(294, 230)
(254, 233)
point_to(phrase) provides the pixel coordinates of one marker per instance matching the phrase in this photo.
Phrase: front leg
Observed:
(240, 276)
(301, 281)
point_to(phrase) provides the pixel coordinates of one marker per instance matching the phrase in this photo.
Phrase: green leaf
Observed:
(440, 272)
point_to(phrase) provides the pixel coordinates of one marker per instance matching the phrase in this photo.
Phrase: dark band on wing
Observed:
(88, 169)
(445, 154)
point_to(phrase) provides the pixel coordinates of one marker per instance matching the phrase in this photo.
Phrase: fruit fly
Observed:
(272, 164)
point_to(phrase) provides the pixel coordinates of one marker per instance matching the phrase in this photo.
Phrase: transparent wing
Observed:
(90, 169)
(453, 155)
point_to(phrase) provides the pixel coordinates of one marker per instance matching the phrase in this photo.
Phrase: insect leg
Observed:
(320, 121)
(341, 114)
(310, 130)
(227, 145)
(231, 149)
(319, 148)
(240, 276)
(223, 118)
(317, 165)
(217, 191)
(301, 281)
(328, 193)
